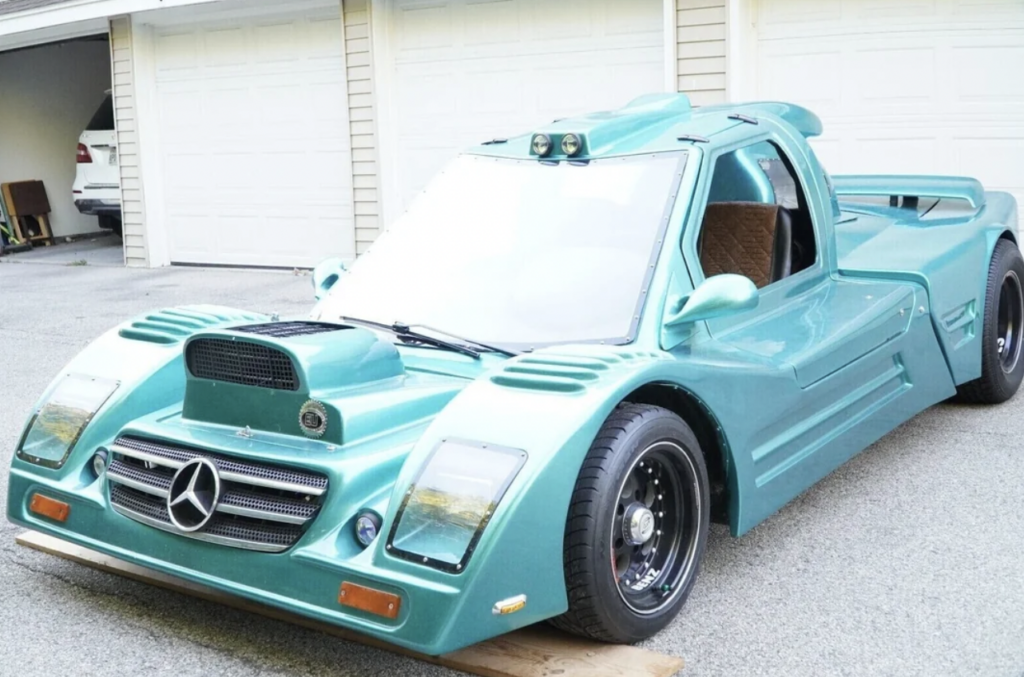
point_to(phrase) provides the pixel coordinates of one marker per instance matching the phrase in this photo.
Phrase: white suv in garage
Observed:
(97, 187)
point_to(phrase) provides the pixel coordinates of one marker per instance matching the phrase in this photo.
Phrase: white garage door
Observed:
(254, 142)
(467, 71)
(929, 86)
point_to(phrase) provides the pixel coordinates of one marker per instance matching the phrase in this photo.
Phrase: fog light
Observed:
(99, 462)
(367, 528)
(571, 144)
(541, 144)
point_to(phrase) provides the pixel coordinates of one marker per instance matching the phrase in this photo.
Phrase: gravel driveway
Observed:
(907, 561)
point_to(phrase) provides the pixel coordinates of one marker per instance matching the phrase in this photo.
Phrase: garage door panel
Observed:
(254, 122)
(806, 75)
(790, 12)
(176, 51)
(983, 9)
(995, 161)
(419, 27)
(934, 95)
(899, 155)
(872, 10)
(224, 48)
(470, 70)
(893, 76)
(976, 81)
(492, 22)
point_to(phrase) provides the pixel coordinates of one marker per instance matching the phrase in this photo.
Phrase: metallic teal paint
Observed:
(883, 325)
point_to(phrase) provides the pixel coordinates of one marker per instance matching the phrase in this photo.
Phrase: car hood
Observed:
(331, 382)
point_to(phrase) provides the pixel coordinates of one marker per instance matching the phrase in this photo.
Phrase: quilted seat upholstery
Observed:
(739, 237)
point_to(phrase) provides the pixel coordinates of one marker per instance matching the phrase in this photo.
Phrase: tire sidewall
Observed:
(1005, 258)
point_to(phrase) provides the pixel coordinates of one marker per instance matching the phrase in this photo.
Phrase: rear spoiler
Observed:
(896, 186)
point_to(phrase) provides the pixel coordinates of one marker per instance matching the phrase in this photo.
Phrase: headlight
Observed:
(450, 503)
(58, 423)
(541, 144)
(571, 144)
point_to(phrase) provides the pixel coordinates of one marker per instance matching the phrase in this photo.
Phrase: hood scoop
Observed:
(262, 375)
(293, 356)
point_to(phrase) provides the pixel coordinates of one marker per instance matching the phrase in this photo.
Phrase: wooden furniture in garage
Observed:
(28, 209)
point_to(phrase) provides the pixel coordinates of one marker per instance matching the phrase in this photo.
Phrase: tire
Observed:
(1002, 362)
(613, 596)
(110, 223)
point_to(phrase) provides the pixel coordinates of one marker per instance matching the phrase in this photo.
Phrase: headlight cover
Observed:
(449, 504)
(65, 412)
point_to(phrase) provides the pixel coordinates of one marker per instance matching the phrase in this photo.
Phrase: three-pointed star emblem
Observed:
(193, 494)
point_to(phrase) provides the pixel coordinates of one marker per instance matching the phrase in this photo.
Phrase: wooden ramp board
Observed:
(531, 652)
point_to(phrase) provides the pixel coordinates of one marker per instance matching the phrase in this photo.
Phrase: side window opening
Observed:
(757, 222)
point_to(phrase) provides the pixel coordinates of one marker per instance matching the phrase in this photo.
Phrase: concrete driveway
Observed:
(908, 561)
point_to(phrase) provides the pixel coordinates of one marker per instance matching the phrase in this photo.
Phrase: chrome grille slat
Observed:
(144, 514)
(243, 503)
(261, 507)
(231, 470)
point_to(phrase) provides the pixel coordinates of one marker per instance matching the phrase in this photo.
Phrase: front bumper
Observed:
(305, 580)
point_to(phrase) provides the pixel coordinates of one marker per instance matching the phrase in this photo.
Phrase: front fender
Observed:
(144, 357)
(553, 411)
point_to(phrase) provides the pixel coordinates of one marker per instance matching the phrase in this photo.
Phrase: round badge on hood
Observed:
(313, 419)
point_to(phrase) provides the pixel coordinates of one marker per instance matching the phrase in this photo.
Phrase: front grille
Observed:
(261, 507)
(289, 329)
(241, 362)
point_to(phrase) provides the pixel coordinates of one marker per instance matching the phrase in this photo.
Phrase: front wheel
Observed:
(637, 526)
(1002, 336)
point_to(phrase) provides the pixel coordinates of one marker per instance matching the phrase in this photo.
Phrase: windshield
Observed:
(519, 252)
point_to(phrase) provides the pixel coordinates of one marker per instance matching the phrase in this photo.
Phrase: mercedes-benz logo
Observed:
(193, 494)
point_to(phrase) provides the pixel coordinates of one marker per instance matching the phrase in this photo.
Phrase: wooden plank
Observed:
(537, 651)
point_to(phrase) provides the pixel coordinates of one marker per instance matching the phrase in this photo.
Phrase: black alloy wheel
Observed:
(637, 526)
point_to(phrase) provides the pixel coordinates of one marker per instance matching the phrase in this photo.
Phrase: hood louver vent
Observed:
(564, 372)
(240, 362)
(289, 329)
(174, 325)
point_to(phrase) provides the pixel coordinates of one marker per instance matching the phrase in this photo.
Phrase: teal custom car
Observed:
(529, 399)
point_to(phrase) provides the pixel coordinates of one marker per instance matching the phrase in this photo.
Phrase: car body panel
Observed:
(885, 323)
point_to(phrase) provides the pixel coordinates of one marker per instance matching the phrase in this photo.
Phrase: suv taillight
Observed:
(82, 156)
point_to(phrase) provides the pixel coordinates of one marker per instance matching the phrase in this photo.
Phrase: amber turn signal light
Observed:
(369, 600)
(49, 507)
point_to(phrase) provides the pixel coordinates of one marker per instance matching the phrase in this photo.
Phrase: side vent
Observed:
(174, 325)
(564, 372)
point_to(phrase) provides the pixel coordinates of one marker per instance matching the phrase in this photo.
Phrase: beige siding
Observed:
(700, 50)
(135, 252)
(362, 121)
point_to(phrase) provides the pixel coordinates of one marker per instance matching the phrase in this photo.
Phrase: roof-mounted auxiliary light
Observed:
(571, 145)
(541, 145)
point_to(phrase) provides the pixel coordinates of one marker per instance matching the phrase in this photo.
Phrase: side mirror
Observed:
(326, 273)
(715, 297)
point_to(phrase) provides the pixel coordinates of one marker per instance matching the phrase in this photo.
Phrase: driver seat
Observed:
(753, 239)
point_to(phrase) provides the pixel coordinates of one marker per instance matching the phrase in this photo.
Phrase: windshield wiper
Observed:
(406, 334)
(476, 344)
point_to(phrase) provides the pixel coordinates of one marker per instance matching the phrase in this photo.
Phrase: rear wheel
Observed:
(637, 526)
(1002, 365)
